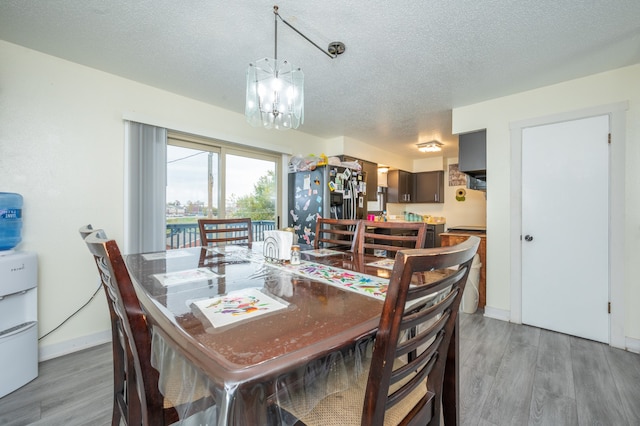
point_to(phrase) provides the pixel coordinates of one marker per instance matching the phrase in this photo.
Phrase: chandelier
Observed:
(275, 87)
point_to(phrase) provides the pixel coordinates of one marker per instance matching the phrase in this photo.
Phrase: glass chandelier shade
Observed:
(275, 95)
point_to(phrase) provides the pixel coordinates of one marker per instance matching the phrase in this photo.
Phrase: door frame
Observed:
(617, 128)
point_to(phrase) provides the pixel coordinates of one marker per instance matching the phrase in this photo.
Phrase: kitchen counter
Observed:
(453, 237)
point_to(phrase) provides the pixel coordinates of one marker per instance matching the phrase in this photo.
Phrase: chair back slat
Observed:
(337, 234)
(414, 335)
(225, 231)
(390, 237)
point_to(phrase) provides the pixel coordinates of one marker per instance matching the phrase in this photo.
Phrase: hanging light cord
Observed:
(337, 46)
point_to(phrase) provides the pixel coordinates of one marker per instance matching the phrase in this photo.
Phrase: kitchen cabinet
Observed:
(371, 177)
(399, 186)
(428, 187)
(452, 238)
(472, 154)
(423, 187)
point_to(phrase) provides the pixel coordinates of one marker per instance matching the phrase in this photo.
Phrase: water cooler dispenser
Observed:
(18, 319)
(18, 300)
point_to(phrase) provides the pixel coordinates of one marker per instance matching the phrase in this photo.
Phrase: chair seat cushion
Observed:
(345, 408)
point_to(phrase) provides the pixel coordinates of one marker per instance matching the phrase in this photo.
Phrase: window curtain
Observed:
(145, 187)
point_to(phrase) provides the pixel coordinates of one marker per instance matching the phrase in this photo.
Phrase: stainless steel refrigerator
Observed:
(329, 192)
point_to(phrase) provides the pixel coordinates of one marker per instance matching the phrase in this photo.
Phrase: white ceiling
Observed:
(407, 63)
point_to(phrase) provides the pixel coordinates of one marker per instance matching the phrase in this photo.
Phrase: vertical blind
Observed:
(145, 183)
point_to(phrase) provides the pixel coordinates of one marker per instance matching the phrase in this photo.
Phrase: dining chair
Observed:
(415, 350)
(137, 398)
(120, 396)
(337, 234)
(389, 237)
(225, 231)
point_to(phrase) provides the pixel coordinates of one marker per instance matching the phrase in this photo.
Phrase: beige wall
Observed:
(497, 115)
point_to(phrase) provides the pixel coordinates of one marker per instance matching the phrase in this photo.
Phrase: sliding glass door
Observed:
(205, 178)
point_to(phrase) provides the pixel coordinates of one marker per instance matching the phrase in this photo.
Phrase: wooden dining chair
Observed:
(137, 398)
(415, 349)
(337, 234)
(120, 396)
(225, 231)
(389, 237)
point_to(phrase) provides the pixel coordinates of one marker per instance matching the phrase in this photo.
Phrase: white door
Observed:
(565, 227)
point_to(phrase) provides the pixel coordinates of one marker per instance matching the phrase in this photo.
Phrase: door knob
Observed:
(528, 238)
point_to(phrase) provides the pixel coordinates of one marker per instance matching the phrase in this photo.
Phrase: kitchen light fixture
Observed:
(383, 169)
(431, 146)
(275, 88)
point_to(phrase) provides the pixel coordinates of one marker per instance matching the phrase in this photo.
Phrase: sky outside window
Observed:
(187, 174)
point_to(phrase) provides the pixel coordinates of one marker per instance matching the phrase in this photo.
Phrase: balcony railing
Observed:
(188, 235)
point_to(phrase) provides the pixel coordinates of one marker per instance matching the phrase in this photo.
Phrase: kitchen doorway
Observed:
(616, 205)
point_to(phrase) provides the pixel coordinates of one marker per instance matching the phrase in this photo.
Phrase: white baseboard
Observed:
(495, 313)
(73, 345)
(633, 345)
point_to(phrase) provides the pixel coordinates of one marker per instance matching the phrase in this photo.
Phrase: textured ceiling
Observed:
(407, 64)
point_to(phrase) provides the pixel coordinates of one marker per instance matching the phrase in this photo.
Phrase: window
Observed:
(207, 178)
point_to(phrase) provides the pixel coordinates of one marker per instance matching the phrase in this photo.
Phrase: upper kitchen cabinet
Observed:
(371, 171)
(428, 187)
(399, 186)
(472, 154)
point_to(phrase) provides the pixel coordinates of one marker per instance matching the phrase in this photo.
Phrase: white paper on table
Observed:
(190, 275)
(322, 252)
(277, 244)
(237, 306)
(171, 254)
(383, 263)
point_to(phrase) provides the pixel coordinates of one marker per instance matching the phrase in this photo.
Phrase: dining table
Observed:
(261, 334)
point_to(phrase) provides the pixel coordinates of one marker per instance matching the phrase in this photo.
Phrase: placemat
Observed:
(170, 254)
(237, 306)
(321, 252)
(189, 275)
(365, 284)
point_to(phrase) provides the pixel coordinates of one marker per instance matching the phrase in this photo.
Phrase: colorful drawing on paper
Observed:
(366, 284)
(190, 275)
(238, 305)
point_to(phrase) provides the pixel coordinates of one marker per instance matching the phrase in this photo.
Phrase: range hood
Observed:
(472, 154)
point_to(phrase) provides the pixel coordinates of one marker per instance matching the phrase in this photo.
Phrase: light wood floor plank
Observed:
(552, 410)
(554, 375)
(525, 335)
(474, 389)
(509, 400)
(74, 389)
(625, 368)
(597, 397)
(488, 342)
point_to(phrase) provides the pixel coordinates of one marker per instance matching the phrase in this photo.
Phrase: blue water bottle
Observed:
(10, 220)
